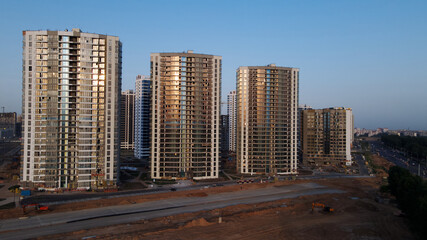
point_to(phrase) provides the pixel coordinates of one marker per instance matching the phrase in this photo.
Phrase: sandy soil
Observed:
(380, 161)
(356, 216)
(17, 212)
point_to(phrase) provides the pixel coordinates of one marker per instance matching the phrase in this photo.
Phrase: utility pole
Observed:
(3, 109)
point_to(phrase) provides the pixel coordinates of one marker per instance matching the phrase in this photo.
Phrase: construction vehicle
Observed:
(321, 205)
(37, 207)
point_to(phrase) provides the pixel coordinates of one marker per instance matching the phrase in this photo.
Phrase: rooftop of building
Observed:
(73, 31)
(269, 66)
(129, 91)
(143, 77)
(189, 53)
(330, 108)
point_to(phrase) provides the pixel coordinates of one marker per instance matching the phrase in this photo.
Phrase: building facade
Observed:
(142, 116)
(232, 120)
(224, 142)
(327, 136)
(70, 115)
(267, 102)
(185, 115)
(127, 120)
(299, 135)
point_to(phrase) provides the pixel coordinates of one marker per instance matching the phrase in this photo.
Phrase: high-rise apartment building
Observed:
(71, 87)
(142, 116)
(299, 135)
(327, 136)
(127, 120)
(224, 138)
(232, 120)
(185, 115)
(267, 102)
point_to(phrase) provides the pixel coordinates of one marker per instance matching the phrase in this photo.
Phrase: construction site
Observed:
(334, 207)
(352, 211)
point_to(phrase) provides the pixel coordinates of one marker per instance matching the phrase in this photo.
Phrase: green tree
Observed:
(411, 194)
(395, 174)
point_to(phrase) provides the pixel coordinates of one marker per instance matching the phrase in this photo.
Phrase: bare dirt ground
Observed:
(17, 212)
(380, 161)
(356, 216)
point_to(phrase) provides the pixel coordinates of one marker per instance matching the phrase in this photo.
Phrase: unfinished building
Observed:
(327, 136)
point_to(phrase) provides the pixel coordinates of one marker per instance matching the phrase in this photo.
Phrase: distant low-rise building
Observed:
(327, 136)
(409, 133)
(401, 132)
(369, 132)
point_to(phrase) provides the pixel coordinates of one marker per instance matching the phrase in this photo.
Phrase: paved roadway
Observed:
(398, 158)
(53, 199)
(100, 217)
(363, 170)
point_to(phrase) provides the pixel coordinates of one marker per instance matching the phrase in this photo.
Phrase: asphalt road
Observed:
(100, 217)
(363, 170)
(52, 199)
(398, 158)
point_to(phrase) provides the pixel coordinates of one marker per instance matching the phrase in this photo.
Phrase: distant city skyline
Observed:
(366, 55)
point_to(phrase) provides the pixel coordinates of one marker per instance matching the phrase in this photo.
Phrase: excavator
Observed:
(321, 205)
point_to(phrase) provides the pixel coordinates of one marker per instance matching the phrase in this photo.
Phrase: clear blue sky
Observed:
(368, 55)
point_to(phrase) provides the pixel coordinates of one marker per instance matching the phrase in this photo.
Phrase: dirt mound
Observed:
(197, 194)
(383, 164)
(200, 222)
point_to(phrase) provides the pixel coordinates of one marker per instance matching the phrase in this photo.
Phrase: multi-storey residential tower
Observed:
(185, 115)
(327, 135)
(127, 118)
(267, 102)
(142, 116)
(224, 138)
(299, 135)
(232, 120)
(71, 89)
